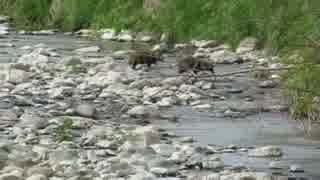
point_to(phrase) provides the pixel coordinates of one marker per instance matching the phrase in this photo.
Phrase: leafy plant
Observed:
(63, 131)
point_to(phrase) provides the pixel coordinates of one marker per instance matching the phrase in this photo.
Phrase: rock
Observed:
(33, 121)
(224, 57)
(146, 39)
(212, 163)
(103, 79)
(204, 43)
(86, 110)
(148, 135)
(267, 151)
(296, 168)
(88, 49)
(173, 81)
(4, 19)
(17, 76)
(235, 90)
(125, 37)
(140, 84)
(144, 111)
(11, 176)
(159, 171)
(214, 176)
(142, 176)
(268, 84)
(163, 149)
(44, 32)
(109, 34)
(37, 177)
(163, 47)
(278, 165)
(6, 45)
(247, 45)
(167, 101)
(203, 106)
(35, 59)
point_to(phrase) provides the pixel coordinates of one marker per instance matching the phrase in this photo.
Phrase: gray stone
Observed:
(278, 165)
(224, 57)
(247, 45)
(148, 135)
(108, 34)
(11, 176)
(88, 49)
(86, 110)
(268, 84)
(163, 149)
(204, 43)
(37, 177)
(296, 168)
(266, 151)
(144, 111)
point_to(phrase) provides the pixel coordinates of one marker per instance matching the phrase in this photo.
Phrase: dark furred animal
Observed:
(147, 58)
(192, 64)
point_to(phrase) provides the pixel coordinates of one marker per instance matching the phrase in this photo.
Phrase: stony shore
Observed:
(90, 116)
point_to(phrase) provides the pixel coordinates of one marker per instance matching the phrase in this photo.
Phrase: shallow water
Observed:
(258, 130)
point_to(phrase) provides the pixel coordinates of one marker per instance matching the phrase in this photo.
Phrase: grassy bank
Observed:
(282, 26)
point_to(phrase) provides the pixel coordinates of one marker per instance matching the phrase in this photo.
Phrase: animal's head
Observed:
(207, 66)
(158, 56)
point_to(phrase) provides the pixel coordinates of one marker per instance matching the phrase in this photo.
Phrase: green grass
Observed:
(63, 131)
(282, 26)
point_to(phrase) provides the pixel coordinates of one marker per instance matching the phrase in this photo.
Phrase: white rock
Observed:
(4, 32)
(35, 59)
(143, 176)
(86, 110)
(160, 171)
(88, 49)
(247, 45)
(109, 34)
(17, 76)
(163, 149)
(125, 37)
(144, 111)
(146, 38)
(148, 135)
(11, 176)
(212, 163)
(267, 151)
(5, 45)
(268, 84)
(204, 43)
(215, 176)
(296, 168)
(224, 57)
(44, 32)
(37, 177)
(102, 79)
(173, 81)
(278, 165)
(167, 101)
(202, 106)
(4, 19)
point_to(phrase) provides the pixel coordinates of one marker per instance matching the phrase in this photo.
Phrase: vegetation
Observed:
(282, 26)
(63, 131)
